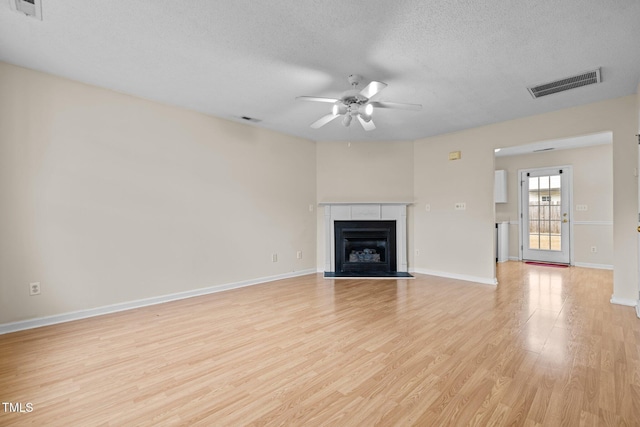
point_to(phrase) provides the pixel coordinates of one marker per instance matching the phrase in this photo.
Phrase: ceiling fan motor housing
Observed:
(353, 97)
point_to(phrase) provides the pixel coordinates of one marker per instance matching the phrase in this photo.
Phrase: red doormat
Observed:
(547, 264)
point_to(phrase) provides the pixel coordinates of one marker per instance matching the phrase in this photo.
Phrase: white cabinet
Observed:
(500, 187)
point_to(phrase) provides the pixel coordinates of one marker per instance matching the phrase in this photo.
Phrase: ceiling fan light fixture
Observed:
(368, 109)
(347, 120)
(339, 109)
(365, 112)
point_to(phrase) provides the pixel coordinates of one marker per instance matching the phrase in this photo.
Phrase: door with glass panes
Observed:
(545, 215)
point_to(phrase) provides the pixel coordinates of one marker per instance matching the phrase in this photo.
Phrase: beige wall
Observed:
(364, 171)
(370, 171)
(450, 242)
(107, 198)
(592, 186)
(462, 242)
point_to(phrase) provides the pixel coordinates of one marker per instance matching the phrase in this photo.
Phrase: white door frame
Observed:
(569, 170)
(638, 304)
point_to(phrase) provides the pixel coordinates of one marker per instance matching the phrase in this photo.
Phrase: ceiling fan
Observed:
(356, 103)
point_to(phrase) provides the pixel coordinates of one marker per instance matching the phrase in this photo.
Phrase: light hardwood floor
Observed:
(543, 348)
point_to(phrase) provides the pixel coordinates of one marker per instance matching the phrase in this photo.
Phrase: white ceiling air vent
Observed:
(588, 78)
(31, 8)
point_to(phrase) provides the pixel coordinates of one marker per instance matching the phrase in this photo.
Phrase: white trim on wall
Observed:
(476, 279)
(517, 222)
(623, 301)
(579, 264)
(592, 265)
(593, 223)
(99, 311)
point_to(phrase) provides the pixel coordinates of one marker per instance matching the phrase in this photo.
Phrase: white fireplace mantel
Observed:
(340, 211)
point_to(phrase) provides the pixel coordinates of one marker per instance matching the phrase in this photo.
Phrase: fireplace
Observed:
(365, 246)
(377, 247)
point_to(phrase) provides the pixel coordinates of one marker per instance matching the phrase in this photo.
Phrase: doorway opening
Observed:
(545, 214)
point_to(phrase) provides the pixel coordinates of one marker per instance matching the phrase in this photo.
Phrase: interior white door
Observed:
(545, 195)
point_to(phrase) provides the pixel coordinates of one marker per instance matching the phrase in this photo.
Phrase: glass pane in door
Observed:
(544, 213)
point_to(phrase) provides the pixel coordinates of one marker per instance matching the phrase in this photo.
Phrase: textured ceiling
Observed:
(467, 62)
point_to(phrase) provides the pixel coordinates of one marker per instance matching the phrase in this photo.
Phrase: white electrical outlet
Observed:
(310, 208)
(594, 249)
(427, 207)
(34, 288)
(299, 255)
(274, 257)
(460, 206)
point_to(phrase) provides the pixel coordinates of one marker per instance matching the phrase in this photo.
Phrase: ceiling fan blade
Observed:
(316, 99)
(366, 125)
(372, 88)
(324, 120)
(397, 105)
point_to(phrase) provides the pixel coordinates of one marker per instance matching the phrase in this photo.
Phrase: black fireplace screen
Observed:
(365, 250)
(365, 246)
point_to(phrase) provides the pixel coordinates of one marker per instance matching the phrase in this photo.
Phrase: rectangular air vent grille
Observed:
(32, 8)
(588, 78)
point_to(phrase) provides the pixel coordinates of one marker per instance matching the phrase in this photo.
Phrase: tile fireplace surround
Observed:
(365, 211)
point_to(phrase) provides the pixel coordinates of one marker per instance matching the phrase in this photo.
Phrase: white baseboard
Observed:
(578, 264)
(98, 311)
(591, 265)
(624, 301)
(477, 279)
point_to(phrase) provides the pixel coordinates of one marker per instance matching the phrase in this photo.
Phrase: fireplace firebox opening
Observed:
(365, 246)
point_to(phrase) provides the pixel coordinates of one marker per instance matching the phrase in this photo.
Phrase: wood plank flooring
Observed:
(545, 348)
